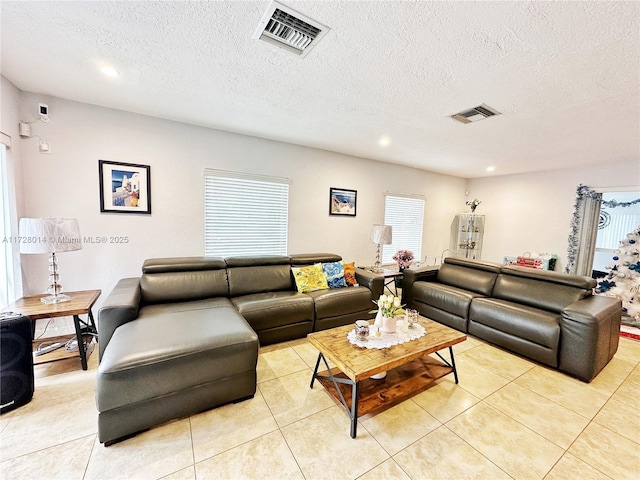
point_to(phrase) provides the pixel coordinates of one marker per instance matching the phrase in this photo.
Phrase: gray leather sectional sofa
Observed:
(550, 317)
(184, 337)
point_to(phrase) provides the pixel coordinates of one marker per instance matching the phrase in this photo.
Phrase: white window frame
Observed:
(405, 214)
(11, 283)
(245, 214)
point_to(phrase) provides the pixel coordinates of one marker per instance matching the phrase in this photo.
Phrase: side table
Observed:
(79, 304)
(390, 276)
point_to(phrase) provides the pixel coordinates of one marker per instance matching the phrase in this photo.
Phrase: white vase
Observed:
(388, 325)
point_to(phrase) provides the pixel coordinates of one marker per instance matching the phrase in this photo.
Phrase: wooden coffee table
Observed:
(409, 366)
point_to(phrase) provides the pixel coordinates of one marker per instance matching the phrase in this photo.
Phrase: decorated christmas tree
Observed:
(623, 279)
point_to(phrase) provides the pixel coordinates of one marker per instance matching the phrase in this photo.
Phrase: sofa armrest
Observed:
(412, 275)
(590, 330)
(372, 281)
(121, 306)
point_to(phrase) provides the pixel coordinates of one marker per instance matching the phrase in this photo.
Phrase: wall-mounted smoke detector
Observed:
(476, 113)
(290, 30)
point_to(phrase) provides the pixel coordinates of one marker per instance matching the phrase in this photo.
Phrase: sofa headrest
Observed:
(311, 258)
(578, 281)
(256, 261)
(182, 264)
(181, 279)
(477, 264)
(468, 276)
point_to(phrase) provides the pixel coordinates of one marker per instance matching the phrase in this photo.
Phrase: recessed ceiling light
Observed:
(109, 71)
(384, 141)
(491, 168)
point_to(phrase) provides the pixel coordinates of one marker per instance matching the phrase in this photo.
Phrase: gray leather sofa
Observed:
(550, 317)
(184, 337)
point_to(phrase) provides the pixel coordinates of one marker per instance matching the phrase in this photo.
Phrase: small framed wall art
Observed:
(342, 202)
(124, 187)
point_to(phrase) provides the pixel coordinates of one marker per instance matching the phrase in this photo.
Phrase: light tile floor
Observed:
(509, 418)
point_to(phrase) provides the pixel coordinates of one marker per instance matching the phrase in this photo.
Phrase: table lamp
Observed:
(380, 235)
(50, 235)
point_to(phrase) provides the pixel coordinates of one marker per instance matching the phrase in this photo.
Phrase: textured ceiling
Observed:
(565, 75)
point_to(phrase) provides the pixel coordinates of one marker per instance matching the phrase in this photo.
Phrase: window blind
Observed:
(245, 214)
(621, 224)
(405, 214)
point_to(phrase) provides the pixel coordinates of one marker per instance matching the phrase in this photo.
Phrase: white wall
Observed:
(529, 212)
(532, 212)
(65, 184)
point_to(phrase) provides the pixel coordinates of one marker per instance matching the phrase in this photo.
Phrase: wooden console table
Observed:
(79, 304)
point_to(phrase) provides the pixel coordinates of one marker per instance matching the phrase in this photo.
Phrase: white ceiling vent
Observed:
(290, 30)
(477, 113)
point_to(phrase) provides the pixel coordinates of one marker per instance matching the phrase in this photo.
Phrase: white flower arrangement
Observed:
(389, 305)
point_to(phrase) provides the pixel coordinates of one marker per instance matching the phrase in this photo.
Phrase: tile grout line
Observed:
(93, 446)
(476, 450)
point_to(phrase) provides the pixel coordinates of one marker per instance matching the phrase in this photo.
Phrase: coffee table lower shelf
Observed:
(373, 396)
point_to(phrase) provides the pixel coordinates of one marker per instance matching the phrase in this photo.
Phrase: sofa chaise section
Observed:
(156, 372)
(171, 345)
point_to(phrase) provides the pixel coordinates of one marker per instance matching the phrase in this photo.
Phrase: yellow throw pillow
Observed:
(309, 278)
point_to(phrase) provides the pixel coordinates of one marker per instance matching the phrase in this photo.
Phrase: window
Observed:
(405, 214)
(619, 216)
(245, 214)
(616, 221)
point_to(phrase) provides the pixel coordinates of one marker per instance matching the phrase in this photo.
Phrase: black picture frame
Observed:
(124, 187)
(343, 202)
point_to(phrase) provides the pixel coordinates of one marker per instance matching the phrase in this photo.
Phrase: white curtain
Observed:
(11, 282)
(582, 243)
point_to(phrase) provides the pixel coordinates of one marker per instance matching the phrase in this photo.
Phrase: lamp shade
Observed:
(49, 235)
(381, 234)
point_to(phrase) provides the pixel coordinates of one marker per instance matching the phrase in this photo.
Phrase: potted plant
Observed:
(473, 204)
(404, 258)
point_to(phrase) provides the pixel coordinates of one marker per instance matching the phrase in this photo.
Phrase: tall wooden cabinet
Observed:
(467, 231)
